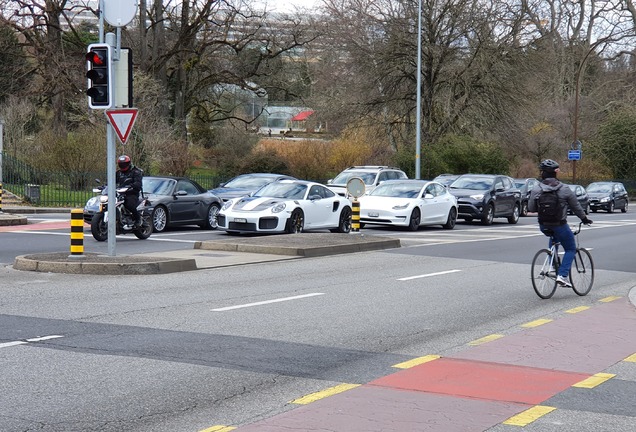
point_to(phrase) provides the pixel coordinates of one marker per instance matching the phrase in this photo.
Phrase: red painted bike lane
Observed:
(481, 386)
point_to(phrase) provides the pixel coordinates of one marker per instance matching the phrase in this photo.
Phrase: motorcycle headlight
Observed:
(604, 200)
(227, 204)
(401, 206)
(477, 197)
(278, 208)
(91, 202)
(103, 198)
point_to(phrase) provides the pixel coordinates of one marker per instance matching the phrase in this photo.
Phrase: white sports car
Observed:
(409, 203)
(289, 206)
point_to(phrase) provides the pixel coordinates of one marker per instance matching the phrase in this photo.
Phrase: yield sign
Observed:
(122, 120)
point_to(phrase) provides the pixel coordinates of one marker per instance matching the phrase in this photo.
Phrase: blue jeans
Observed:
(563, 234)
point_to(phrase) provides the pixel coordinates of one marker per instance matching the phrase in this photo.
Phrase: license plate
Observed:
(240, 220)
(374, 214)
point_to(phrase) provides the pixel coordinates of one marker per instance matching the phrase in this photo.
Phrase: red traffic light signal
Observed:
(99, 74)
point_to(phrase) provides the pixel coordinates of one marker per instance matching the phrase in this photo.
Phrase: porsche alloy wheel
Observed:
(296, 222)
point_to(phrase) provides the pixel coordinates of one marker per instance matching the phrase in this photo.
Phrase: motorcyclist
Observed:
(130, 176)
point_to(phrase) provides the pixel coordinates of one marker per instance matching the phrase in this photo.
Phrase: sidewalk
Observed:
(575, 372)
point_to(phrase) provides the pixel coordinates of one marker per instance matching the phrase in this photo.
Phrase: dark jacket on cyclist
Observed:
(567, 199)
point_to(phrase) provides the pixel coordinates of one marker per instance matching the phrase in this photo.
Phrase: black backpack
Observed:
(549, 207)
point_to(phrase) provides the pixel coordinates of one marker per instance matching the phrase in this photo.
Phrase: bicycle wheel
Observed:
(543, 276)
(582, 272)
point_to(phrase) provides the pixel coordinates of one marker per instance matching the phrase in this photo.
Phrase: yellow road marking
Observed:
(631, 358)
(536, 323)
(324, 393)
(218, 428)
(577, 309)
(486, 339)
(609, 299)
(594, 380)
(528, 416)
(416, 361)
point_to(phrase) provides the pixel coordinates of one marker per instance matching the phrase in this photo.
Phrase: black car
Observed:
(607, 196)
(582, 197)
(525, 186)
(246, 184)
(487, 196)
(175, 201)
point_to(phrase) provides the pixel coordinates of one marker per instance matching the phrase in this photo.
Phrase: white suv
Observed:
(371, 176)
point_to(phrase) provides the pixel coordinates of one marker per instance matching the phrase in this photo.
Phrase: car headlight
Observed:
(477, 197)
(604, 200)
(278, 207)
(400, 207)
(227, 204)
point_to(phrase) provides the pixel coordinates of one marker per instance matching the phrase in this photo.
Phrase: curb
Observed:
(7, 219)
(60, 262)
(302, 245)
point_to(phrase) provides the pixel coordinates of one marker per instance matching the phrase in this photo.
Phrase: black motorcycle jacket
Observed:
(131, 178)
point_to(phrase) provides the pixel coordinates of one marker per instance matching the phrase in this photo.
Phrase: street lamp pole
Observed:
(418, 108)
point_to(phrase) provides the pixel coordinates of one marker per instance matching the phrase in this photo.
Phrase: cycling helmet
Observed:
(123, 162)
(548, 165)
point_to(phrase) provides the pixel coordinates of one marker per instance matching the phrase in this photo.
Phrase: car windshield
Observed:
(473, 183)
(397, 190)
(248, 182)
(343, 178)
(520, 184)
(599, 187)
(158, 186)
(282, 190)
(445, 180)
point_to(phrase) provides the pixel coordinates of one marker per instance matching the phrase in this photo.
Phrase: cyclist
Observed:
(558, 230)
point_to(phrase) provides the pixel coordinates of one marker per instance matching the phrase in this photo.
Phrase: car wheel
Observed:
(159, 219)
(414, 222)
(344, 224)
(624, 209)
(452, 219)
(610, 209)
(211, 223)
(489, 215)
(296, 222)
(514, 218)
(524, 208)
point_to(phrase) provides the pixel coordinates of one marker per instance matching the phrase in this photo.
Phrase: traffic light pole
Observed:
(110, 170)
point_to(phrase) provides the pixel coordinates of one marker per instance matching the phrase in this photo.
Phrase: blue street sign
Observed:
(574, 154)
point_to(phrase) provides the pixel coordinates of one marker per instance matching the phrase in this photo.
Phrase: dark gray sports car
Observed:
(175, 201)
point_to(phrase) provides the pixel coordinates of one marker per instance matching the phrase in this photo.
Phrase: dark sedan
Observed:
(246, 184)
(175, 201)
(581, 196)
(607, 196)
(525, 185)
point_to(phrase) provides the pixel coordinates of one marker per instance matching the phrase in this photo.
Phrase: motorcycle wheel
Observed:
(99, 227)
(143, 232)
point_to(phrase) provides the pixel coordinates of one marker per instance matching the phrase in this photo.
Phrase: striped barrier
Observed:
(77, 233)
(355, 216)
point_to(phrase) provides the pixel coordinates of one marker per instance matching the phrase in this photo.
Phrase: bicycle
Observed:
(545, 266)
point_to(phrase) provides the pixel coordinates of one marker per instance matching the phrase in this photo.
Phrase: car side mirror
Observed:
(181, 193)
(428, 196)
(329, 181)
(221, 184)
(500, 189)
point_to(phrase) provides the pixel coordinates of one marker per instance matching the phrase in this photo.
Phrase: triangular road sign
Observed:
(122, 120)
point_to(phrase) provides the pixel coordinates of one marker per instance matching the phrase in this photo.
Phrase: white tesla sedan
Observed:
(410, 204)
(290, 206)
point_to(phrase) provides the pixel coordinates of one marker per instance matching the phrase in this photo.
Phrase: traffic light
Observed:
(99, 73)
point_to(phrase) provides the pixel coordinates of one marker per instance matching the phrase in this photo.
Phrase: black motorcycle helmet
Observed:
(123, 162)
(548, 168)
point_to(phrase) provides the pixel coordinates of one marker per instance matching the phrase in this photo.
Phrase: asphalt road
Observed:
(227, 346)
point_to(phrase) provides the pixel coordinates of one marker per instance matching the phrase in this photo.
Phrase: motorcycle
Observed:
(125, 223)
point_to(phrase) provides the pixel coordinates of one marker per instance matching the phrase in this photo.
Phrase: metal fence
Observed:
(60, 189)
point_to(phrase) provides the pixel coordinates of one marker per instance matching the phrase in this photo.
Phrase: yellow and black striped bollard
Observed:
(77, 233)
(355, 216)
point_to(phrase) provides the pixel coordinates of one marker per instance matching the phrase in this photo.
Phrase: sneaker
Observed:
(563, 281)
